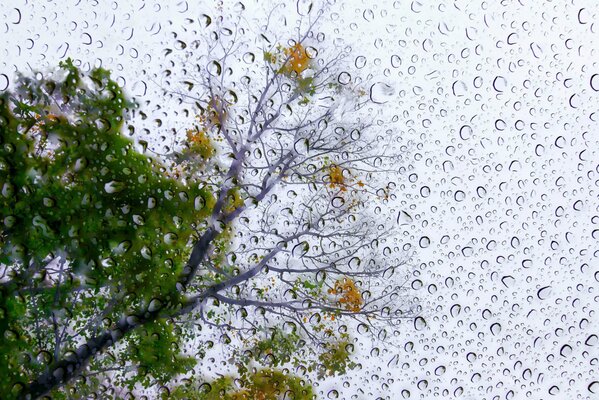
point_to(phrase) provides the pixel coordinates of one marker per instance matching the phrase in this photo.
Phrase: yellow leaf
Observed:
(298, 60)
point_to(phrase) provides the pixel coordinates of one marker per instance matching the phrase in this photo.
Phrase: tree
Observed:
(263, 231)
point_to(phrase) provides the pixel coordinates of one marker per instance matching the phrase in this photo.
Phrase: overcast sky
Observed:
(498, 103)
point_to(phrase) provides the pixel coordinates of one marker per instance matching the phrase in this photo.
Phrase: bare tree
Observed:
(300, 173)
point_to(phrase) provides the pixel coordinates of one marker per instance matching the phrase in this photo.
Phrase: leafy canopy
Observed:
(92, 229)
(77, 197)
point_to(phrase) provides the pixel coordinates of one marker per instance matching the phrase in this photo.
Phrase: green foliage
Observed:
(91, 229)
(306, 86)
(265, 384)
(335, 360)
(154, 349)
(278, 348)
(269, 57)
(78, 199)
(293, 62)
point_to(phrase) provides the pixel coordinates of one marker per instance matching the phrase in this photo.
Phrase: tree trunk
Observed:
(62, 371)
(68, 368)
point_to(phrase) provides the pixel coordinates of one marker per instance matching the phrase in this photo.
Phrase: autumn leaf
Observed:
(298, 60)
(336, 176)
(350, 296)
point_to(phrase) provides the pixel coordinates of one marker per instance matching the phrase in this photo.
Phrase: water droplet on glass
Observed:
(465, 132)
(459, 88)
(419, 323)
(595, 82)
(360, 62)
(381, 93)
(403, 218)
(4, 82)
(544, 293)
(114, 187)
(495, 329)
(499, 83)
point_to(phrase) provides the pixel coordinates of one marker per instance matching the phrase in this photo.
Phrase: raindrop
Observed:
(300, 249)
(304, 7)
(459, 88)
(338, 202)
(206, 20)
(344, 78)
(499, 83)
(566, 350)
(114, 187)
(16, 19)
(417, 284)
(368, 14)
(214, 68)
(403, 218)
(302, 146)
(553, 390)
(381, 93)
(495, 329)
(440, 370)
(515, 242)
(3, 82)
(465, 132)
(199, 203)
(122, 248)
(560, 142)
(416, 6)
(419, 323)
(146, 253)
(544, 292)
(508, 280)
(140, 88)
(360, 62)
(249, 57)
(455, 310)
(592, 340)
(500, 125)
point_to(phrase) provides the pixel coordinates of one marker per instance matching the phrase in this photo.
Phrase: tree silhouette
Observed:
(262, 231)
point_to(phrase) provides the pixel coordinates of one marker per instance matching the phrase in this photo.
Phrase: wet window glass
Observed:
(299, 200)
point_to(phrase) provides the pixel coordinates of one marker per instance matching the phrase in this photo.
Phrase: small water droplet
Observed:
(381, 93)
(419, 323)
(544, 292)
(114, 187)
(500, 83)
